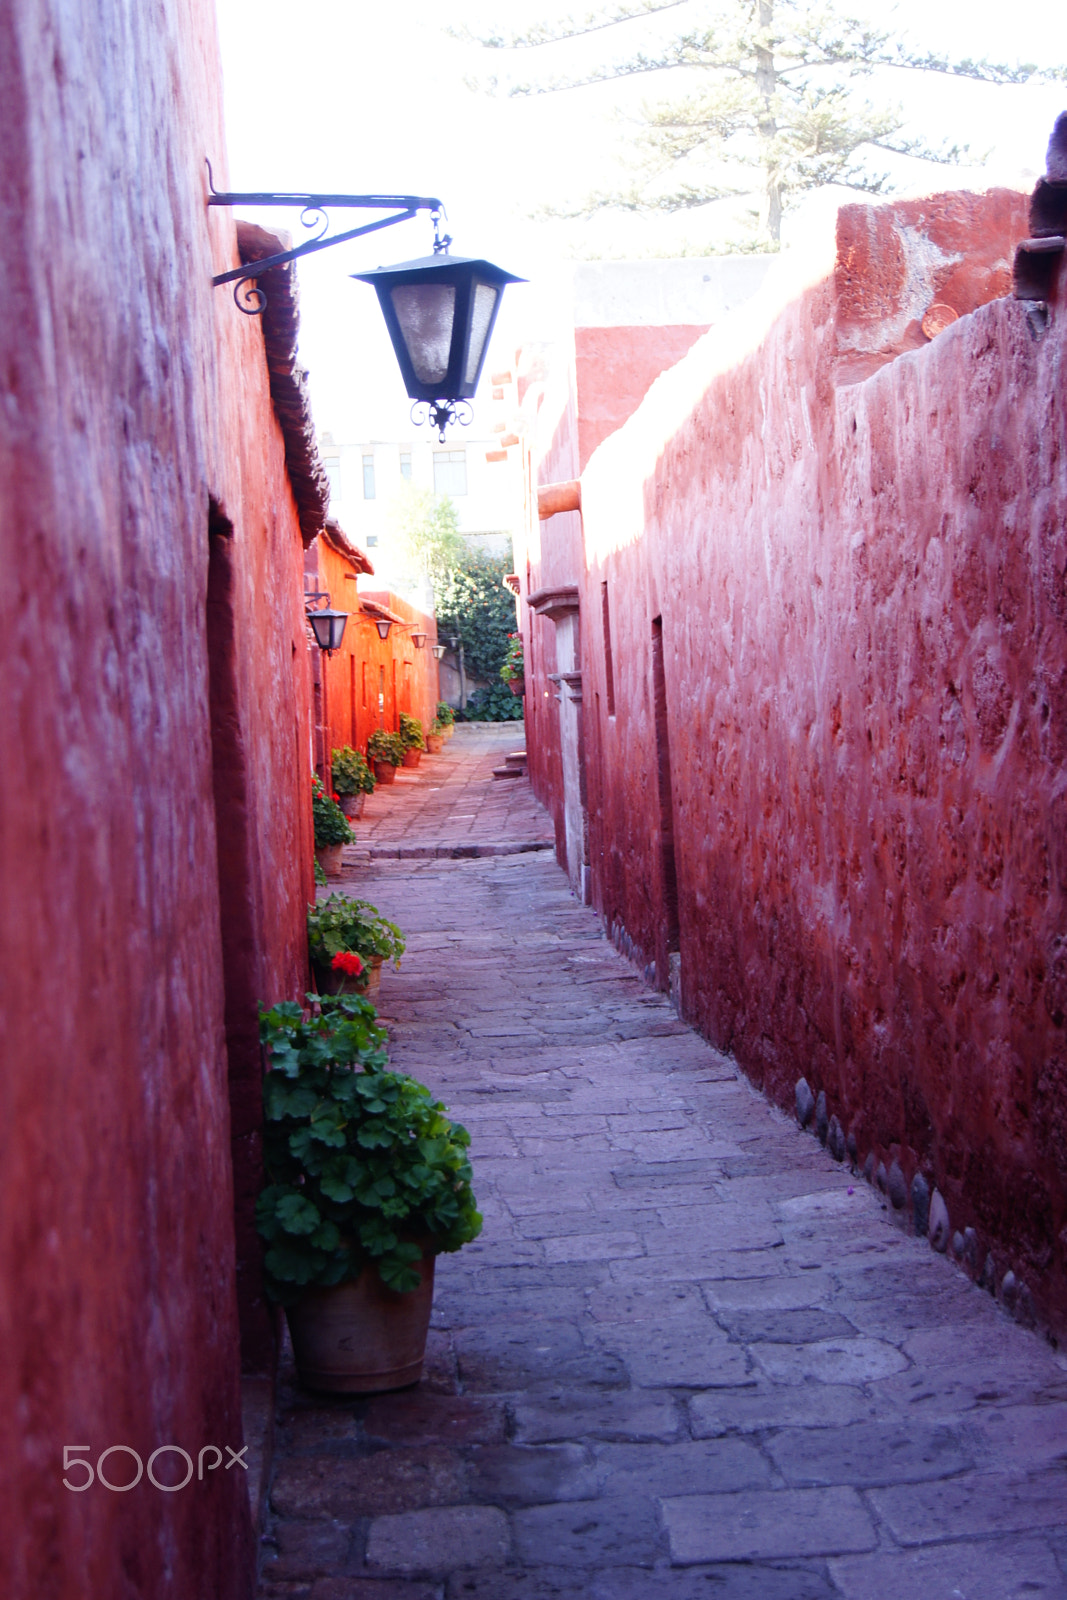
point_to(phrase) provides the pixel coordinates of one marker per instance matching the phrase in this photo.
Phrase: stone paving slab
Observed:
(690, 1355)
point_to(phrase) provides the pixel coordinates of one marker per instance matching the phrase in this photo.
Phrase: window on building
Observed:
(372, 541)
(405, 465)
(332, 467)
(450, 472)
(368, 477)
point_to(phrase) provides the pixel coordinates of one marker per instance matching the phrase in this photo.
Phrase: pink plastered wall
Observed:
(855, 539)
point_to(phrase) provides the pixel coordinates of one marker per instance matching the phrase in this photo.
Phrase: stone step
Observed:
(509, 772)
(516, 758)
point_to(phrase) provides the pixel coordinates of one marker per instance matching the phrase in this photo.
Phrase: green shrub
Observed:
(411, 735)
(341, 922)
(351, 774)
(382, 746)
(445, 715)
(363, 1166)
(494, 704)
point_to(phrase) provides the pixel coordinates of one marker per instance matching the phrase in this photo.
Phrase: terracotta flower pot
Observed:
(328, 857)
(352, 804)
(516, 685)
(434, 744)
(384, 772)
(412, 758)
(362, 1338)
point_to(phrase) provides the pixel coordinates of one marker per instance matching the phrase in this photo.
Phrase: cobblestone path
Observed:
(690, 1358)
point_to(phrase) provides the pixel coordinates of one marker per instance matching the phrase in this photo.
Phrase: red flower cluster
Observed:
(347, 961)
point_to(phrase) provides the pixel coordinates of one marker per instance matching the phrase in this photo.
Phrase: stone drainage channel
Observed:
(690, 1355)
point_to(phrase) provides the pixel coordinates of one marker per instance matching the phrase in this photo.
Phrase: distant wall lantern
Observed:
(439, 309)
(327, 625)
(438, 651)
(418, 639)
(383, 624)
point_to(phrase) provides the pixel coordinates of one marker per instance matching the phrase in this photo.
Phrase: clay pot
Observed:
(412, 758)
(434, 744)
(516, 685)
(384, 772)
(362, 1338)
(352, 804)
(328, 857)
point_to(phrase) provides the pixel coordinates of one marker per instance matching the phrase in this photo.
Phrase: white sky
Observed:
(359, 96)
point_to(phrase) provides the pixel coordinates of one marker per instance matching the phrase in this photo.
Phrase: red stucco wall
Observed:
(615, 368)
(131, 394)
(861, 587)
(410, 675)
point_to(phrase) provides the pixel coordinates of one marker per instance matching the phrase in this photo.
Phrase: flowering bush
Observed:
(341, 924)
(331, 827)
(411, 736)
(445, 715)
(513, 662)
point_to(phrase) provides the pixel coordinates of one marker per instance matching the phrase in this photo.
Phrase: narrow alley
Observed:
(690, 1354)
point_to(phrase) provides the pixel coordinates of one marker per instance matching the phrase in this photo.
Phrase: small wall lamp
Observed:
(383, 624)
(327, 625)
(418, 639)
(439, 650)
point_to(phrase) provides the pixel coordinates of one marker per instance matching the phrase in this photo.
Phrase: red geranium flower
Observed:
(347, 961)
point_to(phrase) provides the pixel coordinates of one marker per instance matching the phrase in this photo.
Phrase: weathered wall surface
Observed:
(864, 625)
(615, 369)
(131, 395)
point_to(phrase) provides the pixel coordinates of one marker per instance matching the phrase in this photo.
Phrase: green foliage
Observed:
(494, 704)
(383, 746)
(341, 922)
(469, 595)
(473, 604)
(445, 715)
(331, 825)
(351, 774)
(362, 1164)
(513, 666)
(320, 876)
(411, 735)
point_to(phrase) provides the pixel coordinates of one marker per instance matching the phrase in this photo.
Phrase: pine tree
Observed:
(769, 101)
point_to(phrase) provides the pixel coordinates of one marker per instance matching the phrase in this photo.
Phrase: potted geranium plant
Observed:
(513, 668)
(435, 738)
(412, 738)
(447, 718)
(386, 753)
(367, 1182)
(342, 926)
(332, 832)
(352, 779)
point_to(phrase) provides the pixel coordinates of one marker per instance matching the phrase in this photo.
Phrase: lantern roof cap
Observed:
(437, 263)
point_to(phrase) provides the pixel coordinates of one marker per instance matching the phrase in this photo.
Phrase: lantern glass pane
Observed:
(320, 627)
(485, 298)
(337, 630)
(426, 313)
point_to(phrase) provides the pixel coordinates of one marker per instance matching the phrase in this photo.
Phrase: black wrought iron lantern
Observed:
(418, 639)
(383, 624)
(440, 312)
(328, 626)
